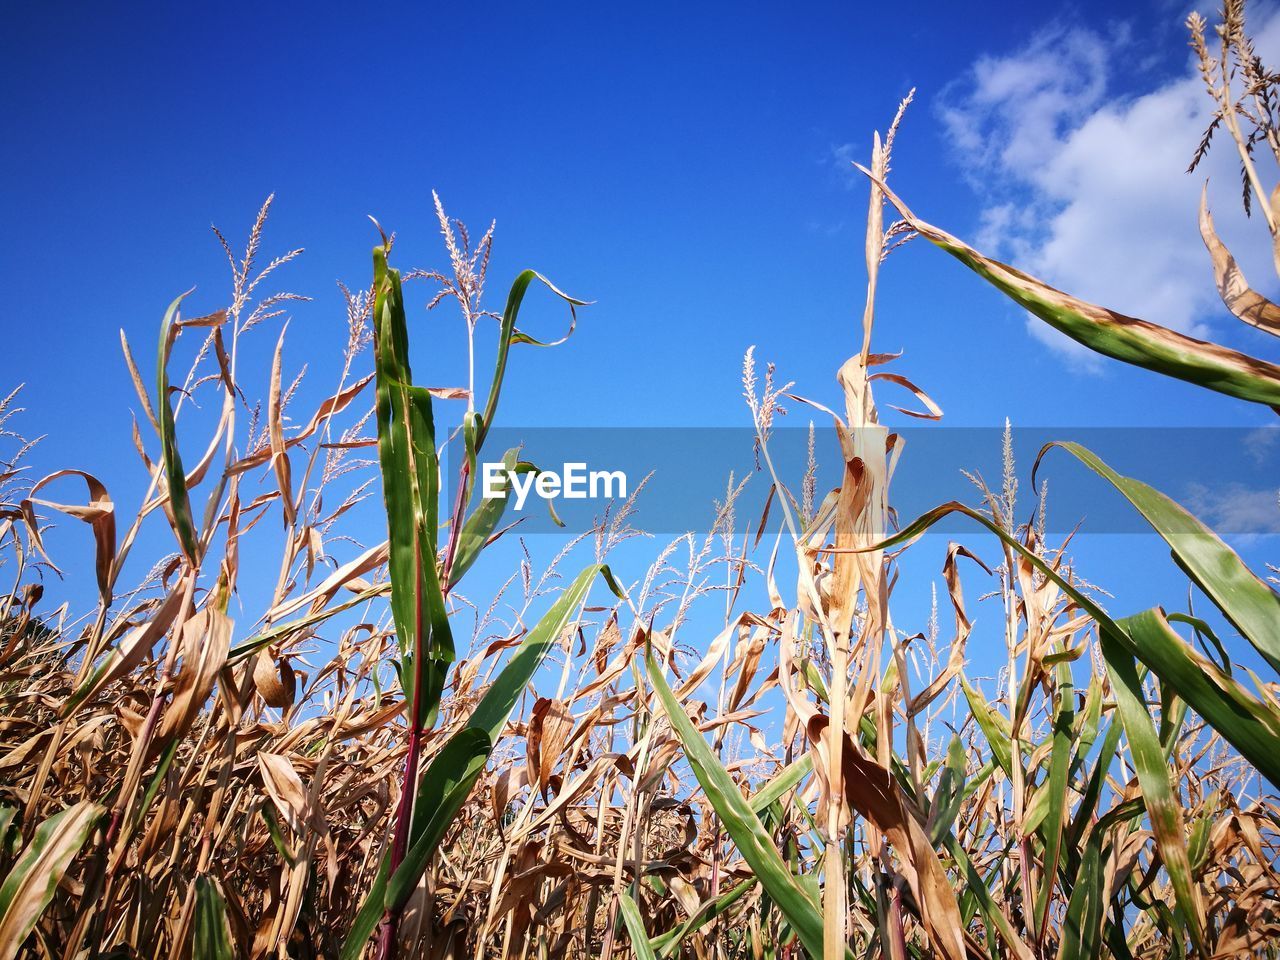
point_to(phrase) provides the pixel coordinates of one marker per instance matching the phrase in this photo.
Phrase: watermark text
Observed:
(573, 482)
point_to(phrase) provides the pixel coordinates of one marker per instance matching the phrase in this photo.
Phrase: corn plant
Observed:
(757, 749)
(420, 583)
(1250, 721)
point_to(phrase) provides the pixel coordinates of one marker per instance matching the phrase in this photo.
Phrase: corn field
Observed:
(378, 764)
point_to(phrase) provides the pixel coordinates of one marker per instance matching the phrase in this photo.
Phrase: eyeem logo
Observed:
(574, 482)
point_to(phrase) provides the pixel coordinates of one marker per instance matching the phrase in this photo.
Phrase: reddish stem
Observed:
(895, 925)
(455, 529)
(404, 810)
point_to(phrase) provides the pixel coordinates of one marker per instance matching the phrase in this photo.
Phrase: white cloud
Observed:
(1028, 98)
(1260, 444)
(1085, 186)
(1233, 508)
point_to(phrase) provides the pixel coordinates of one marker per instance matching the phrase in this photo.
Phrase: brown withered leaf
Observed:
(1247, 304)
(334, 405)
(550, 723)
(215, 319)
(99, 513)
(344, 576)
(275, 681)
(284, 787)
(206, 638)
(715, 653)
(869, 789)
(1109, 332)
(275, 422)
(931, 412)
(144, 395)
(508, 783)
(135, 647)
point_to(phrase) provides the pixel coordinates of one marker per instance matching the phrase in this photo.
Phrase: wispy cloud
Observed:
(1260, 444)
(1233, 508)
(1084, 184)
(842, 157)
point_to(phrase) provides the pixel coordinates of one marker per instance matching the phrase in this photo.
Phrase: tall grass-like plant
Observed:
(1243, 598)
(1244, 92)
(420, 583)
(757, 750)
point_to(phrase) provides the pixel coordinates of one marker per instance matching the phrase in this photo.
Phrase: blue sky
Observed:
(685, 168)
(678, 168)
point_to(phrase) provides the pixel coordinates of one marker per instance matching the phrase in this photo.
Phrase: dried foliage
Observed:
(378, 765)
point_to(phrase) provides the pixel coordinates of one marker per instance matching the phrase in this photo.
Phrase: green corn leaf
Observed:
(30, 885)
(782, 783)
(741, 823)
(1088, 722)
(1081, 933)
(635, 927)
(448, 779)
(210, 937)
(471, 440)
(1055, 788)
(975, 782)
(10, 838)
(815, 682)
(1204, 633)
(1251, 725)
(1167, 924)
(1173, 714)
(495, 706)
(1163, 809)
(1037, 810)
(951, 792)
(667, 944)
(1118, 646)
(367, 917)
(175, 477)
(994, 727)
(1115, 935)
(432, 677)
(1093, 791)
(1113, 334)
(1198, 843)
(480, 525)
(277, 835)
(451, 774)
(443, 791)
(1083, 930)
(139, 811)
(434, 811)
(507, 335)
(410, 469)
(1245, 600)
(247, 648)
(986, 904)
